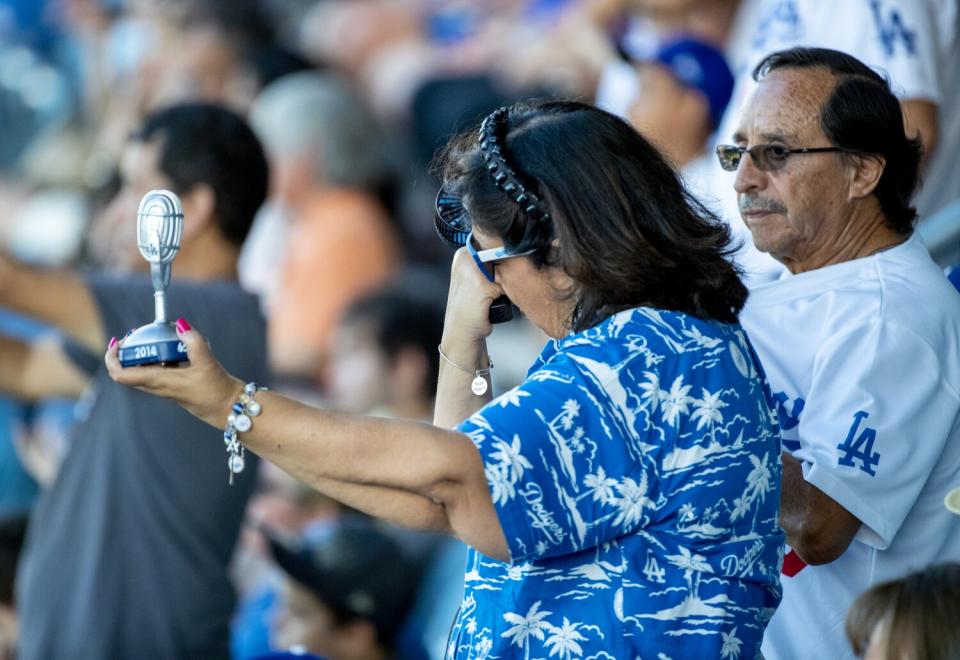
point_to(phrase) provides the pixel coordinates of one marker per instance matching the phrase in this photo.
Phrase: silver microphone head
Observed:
(159, 226)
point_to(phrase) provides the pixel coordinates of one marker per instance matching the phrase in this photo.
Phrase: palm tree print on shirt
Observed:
(635, 475)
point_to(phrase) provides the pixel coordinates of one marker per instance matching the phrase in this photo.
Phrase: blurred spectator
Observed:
(385, 362)
(127, 551)
(17, 488)
(328, 161)
(379, 44)
(12, 530)
(284, 505)
(648, 24)
(685, 88)
(384, 358)
(345, 597)
(910, 618)
(558, 47)
(226, 52)
(32, 435)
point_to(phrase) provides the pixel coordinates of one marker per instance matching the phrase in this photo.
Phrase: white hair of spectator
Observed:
(320, 115)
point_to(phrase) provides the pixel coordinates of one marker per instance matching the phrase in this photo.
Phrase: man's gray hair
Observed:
(320, 115)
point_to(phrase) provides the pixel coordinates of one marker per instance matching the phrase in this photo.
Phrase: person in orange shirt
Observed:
(328, 164)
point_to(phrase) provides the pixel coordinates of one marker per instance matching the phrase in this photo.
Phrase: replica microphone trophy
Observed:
(159, 230)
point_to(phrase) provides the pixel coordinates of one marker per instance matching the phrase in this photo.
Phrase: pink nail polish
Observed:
(113, 340)
(182, 325)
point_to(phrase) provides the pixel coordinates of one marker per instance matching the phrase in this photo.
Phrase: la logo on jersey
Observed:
(781, 22)
(857, 450)
(788, 419)
(891, 29)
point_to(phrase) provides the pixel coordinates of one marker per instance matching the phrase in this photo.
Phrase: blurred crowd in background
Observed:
(351, 100)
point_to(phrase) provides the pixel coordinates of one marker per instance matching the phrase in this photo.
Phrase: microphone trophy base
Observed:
(156, 343)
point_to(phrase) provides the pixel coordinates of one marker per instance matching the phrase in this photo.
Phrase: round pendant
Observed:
(242, 423)
(479, 385)
(236, 463)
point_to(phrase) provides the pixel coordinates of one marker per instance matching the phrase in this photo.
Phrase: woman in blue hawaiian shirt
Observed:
(622, 501)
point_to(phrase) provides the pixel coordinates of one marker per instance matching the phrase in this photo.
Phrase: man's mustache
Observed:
(748, 204)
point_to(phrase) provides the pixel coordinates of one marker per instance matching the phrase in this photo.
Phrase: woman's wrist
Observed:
(222, 403)
(470, 352)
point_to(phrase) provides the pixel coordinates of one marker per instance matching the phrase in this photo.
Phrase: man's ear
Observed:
(866, 172)
(199, 207)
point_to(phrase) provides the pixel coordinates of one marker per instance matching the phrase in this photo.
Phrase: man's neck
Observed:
(207, 257)
(861, 236)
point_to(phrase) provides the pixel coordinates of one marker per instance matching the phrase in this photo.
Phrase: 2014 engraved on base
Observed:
(144, 351)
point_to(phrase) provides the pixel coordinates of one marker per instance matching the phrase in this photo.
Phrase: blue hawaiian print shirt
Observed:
(636, 475)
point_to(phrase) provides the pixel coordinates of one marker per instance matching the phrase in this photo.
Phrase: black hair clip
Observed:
(491, 130)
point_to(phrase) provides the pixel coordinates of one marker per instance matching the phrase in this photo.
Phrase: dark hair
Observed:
(400, 320)
(629, 233)
(270, 62)
(863, 116)
(206, 143)
(13, 530)
(242, 22)
(920, 612)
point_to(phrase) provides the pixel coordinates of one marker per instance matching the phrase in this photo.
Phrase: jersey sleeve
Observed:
(559, 475)
(877, 418)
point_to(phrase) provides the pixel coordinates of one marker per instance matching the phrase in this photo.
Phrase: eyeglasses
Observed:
(766, 157)
(492, 255)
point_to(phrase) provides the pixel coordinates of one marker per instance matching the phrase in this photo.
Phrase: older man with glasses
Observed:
(860, 339)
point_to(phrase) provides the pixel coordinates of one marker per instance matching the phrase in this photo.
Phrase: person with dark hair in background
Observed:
(383, 357)
(384, 361)
(908, 619)
(127, 552)
(685, 87)
(345, 597)
(623, 498)
(861, 340)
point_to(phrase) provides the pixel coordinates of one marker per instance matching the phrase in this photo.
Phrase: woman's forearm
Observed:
(409, 473)
(455, 399)
(390, 469)
(397, 506)
(313, 444)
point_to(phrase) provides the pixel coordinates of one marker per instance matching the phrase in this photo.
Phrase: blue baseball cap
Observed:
(699, 66)
(360, 572)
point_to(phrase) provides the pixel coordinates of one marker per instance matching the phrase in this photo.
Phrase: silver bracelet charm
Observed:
(479, 384)
(239, 421)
